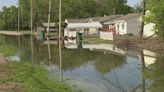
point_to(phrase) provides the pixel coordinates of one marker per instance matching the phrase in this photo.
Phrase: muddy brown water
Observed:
(98, 67)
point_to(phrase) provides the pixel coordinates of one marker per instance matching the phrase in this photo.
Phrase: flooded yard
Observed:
(96, 67)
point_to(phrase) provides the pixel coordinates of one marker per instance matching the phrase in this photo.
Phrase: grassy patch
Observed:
(7, 50)
(34, 78)
(96, 41)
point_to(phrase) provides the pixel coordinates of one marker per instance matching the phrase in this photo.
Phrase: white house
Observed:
(127, 24)
(130, 24)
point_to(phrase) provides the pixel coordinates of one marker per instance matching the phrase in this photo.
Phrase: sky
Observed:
(14, 2)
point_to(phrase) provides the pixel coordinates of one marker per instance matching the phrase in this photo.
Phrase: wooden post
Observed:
(60, 57)
(48, 30)
(31, 14)
(18, 17)
(18, 24)
(22, 17)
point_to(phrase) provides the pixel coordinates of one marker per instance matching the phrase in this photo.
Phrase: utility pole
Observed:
(22, 17)
(48, 30)
(59, 19)
(60, 57)
(19, 24)
(3, 18)
(18, 17)
(31, 14)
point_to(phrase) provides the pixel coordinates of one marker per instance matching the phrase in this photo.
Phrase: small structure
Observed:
(85, 28)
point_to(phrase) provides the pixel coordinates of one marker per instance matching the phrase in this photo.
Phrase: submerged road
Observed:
(11, 33)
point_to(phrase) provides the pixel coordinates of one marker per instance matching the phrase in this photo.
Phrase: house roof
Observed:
(105, 18)
(128, 16)
(77, 20)
(51, 24)
(84, 25)
(94, 19)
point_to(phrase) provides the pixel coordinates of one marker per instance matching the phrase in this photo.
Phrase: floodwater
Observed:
(97, 67)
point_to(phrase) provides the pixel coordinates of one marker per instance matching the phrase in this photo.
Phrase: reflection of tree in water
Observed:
(156, 75)
(106, 62)
(72, 59)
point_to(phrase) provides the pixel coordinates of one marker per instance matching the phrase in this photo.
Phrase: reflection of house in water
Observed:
(41, 30)
(149, 56)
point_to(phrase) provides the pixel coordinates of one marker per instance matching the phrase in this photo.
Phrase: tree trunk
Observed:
(143, 16)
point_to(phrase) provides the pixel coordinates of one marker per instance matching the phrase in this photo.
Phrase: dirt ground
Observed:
(7, 86)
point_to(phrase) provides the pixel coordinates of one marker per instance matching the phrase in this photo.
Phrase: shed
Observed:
(86, 28)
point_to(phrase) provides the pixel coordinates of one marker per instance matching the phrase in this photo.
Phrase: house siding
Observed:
(134, 26)
(119, 27)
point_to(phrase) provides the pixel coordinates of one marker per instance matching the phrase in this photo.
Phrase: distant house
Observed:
(92, 30)
(81, 25)
(85, 28)
(53, 27)
(129, 24)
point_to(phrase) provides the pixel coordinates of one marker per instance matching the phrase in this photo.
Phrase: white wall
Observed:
(119, 26)
(148, 29)
(106, 35)
(134, 26)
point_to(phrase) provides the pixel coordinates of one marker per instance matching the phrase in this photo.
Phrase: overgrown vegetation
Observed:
(5, 48)
(156, 15)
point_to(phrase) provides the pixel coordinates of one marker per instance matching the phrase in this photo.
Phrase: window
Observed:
(123, 26)
(118, 27)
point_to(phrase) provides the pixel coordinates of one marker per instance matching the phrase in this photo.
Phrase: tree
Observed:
(70, 9)
(143, 16)
(156, 15)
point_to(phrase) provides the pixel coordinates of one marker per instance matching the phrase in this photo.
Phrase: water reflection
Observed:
(103, 69)
(60, 60)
